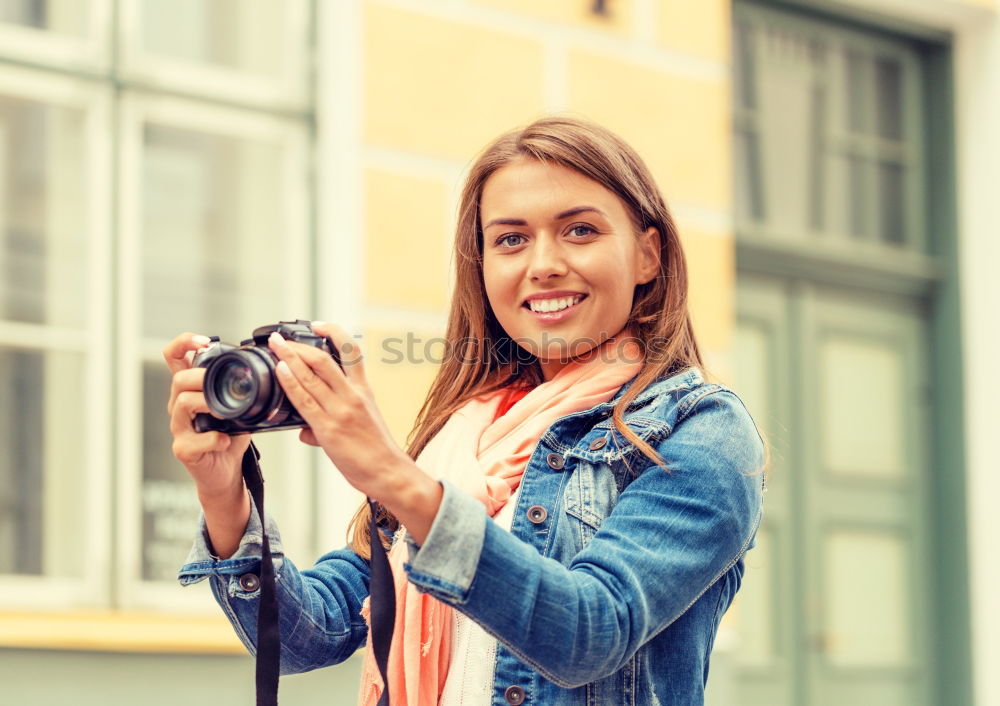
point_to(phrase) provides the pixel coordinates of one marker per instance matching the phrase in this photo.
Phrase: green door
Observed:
(835, 609)
(843, 272)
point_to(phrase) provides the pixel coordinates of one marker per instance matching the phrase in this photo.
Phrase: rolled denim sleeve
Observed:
(202, 563)
(671, 536)
(448, 558)
(319, 608)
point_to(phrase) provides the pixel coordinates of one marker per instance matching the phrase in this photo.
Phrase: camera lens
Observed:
(235, 385)
(240, 385)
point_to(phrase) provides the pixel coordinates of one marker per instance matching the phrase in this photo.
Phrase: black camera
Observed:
(240, 386)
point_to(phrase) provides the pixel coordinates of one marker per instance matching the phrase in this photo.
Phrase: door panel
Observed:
(861, 391)
(834, 608)
(866, 613)
(864, 426)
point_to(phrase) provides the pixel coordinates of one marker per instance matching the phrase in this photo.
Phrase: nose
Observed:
(547, 260)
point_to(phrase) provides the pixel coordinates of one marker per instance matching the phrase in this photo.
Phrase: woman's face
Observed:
(560, 259)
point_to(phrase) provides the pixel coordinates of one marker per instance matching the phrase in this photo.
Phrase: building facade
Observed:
(196, 166)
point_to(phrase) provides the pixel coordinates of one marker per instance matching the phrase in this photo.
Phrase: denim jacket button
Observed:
(249, 582)
(555, 461)
(514, 695)
(537, 514)
(598, 443)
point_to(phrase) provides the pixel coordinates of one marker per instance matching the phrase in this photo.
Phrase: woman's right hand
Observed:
(213, 459)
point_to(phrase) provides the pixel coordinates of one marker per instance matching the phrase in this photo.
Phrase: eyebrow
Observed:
(565, 214)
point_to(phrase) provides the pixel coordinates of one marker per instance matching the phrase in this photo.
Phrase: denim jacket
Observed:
(610, 585)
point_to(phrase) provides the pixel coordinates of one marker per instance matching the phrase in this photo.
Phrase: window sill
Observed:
(110, 631)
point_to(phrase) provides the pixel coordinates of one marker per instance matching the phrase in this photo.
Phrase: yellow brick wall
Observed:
(572, 13)
(699, 28)
(407, 224)
(441, 87)
(400, 362)
(440, 80)
(680, 126)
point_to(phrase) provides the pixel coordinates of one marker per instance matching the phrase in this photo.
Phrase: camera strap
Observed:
(382, 605)
(382, 597)
(268, 636)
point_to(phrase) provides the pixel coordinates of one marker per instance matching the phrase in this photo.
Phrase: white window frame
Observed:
(296, 462)
(92, 52)
(288, 91)
(340, 226)
(92, 340)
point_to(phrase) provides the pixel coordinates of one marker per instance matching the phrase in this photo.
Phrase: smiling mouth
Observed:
(552, 306)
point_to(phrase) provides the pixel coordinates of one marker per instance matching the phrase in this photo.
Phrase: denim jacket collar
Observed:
(684, 379)
(598, 422)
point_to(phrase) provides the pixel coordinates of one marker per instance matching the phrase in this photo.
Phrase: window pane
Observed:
(889, 92)
(169, 503)
(820, 145)
(41, 468)
(817, 152)
(215, 233)
(218, 237)
(890, 182)
(243, 35)
(749, 178)
(856, 80)
(857, 185)
(744, 66)
(42, 206)
(62, 16)
(170, 508)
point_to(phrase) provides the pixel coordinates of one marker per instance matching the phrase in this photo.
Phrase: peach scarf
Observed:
(421, 645)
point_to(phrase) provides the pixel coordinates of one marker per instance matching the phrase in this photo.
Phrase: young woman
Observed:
(573, 509)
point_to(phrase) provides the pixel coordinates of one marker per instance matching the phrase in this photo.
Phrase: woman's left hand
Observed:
(339, 407)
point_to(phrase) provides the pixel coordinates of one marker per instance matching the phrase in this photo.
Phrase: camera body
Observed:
(240, 386)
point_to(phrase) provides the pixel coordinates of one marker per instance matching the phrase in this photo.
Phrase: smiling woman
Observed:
(569, 522)
(563, 281)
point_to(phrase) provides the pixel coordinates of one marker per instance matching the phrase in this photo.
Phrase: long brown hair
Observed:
(481, 357)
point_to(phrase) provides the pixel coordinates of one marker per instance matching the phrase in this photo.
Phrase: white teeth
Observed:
(550, 305)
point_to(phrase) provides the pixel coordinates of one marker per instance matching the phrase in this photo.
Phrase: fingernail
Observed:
(318, 323)
(277, 340)
(201, 340)
(282, 368)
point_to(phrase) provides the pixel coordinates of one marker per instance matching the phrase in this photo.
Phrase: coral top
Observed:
(510, 399)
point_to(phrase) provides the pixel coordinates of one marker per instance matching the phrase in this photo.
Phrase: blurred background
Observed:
(215, 165)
